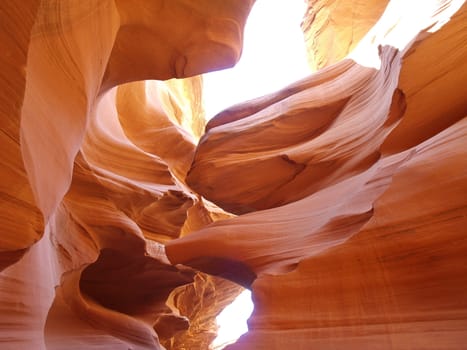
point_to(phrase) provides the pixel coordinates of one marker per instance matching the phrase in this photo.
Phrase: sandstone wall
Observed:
(340, 200)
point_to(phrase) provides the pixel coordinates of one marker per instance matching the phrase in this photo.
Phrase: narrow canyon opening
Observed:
(274, 56)
(232, 321)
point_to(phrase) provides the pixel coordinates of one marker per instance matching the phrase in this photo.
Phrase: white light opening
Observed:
(273, 56)
(232, 321)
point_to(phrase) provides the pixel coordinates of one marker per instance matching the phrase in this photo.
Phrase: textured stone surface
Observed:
(93, 175)
(338, 200)
(332, 28)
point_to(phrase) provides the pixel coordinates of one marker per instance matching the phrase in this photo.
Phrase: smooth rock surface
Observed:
(340, 200)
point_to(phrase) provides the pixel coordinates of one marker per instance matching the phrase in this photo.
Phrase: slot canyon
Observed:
(129, 221)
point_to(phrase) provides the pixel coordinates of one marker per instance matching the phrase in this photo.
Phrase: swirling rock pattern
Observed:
(340, 200)
(89, 196)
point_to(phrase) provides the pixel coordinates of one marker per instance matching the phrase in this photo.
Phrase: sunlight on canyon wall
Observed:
(128, 222)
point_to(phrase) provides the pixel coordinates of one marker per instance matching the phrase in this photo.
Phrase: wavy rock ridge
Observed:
(340, 200)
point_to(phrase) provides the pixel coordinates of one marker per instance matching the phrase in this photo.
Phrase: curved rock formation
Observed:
(119, 212)
(355, 234)
(99, 203)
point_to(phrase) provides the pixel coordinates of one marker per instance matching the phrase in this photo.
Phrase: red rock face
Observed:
(340, 200)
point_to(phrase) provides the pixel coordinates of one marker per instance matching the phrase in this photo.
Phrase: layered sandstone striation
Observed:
(340, 200)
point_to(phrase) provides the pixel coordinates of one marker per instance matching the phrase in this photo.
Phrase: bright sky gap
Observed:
(273, 56)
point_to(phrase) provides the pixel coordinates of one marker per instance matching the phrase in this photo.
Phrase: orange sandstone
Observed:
(340, 200)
